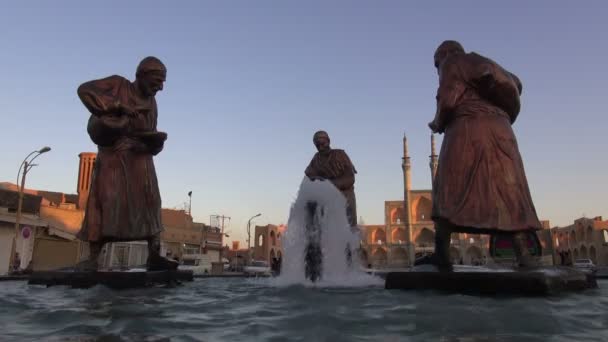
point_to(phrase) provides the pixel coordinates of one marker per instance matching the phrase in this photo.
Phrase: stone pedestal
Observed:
(482, 281)
(115, 280)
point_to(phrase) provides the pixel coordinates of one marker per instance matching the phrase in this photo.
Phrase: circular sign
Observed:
(26, 232)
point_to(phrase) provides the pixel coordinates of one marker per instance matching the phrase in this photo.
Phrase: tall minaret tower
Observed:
(433, 159)
(407, 186)
(407, 175)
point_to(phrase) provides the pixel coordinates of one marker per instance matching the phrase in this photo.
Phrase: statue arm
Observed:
(156, 151)
(347, 179)
(451, 88)
(155, 146)
(101, 96)
(310, 170)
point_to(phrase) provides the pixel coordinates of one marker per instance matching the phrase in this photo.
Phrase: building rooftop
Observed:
(50, 197)
(64, 220)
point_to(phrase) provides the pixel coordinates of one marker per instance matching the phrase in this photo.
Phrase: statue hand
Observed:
(154, 150)
(130, 111)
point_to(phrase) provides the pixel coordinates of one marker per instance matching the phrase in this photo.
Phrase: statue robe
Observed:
(337, 168)
(124, 202)
(480, 184)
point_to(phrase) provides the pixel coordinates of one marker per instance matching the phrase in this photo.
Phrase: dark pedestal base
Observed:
(533, 282)
(115, 280)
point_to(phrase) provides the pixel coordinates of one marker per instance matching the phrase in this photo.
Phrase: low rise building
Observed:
(267, 244)
(585, 238)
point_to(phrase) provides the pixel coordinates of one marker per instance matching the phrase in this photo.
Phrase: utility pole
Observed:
(222, 218)
(26, 165)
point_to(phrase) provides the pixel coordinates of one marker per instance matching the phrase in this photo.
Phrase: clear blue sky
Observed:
(250, 81)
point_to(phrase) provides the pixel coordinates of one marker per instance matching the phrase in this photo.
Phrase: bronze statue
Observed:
(480, 185)
(124, 203)
(335, 166)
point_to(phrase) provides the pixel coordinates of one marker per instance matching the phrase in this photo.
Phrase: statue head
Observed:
(321, 141)
(150, 76)
(446, 49)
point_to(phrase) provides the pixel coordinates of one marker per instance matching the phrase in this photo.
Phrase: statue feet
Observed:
(433, 259)
(158, 263)
(523, 256)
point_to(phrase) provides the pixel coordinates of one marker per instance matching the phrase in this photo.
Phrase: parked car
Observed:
(585, 264)
(258, 267)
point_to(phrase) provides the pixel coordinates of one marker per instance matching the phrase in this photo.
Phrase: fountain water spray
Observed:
(318, 238)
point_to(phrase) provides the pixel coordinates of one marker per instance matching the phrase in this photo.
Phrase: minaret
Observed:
(433, 159)
(85, 173)
(406, 166)
(407, 186)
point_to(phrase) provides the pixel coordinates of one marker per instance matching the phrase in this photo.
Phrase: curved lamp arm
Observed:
(39, 152)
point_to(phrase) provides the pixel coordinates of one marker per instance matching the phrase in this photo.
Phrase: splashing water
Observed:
(336, 237)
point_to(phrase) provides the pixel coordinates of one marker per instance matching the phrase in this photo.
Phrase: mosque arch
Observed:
(425, 238)
(398, 236)
(573, 238)
(397, 216)
(583, 253)
(379, 257)
(273, 238)
(423, 209)
(589, 233)
(593, 255)
(379, 236)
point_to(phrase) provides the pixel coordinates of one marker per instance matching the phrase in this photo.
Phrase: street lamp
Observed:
(249, 236)
(26, 165)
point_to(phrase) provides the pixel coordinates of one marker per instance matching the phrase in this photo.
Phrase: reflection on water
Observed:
(253, 310)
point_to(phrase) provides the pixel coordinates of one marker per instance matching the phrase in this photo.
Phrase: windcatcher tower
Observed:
(85, 174)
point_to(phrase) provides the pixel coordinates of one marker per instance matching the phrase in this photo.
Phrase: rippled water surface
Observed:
(223, 309)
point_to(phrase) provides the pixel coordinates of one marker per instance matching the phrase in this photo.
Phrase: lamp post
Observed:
(249, 237)
(26, 165)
